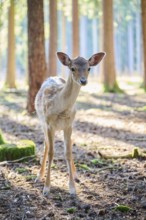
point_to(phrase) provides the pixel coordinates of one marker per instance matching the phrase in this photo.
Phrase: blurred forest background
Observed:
(127, 37)
(127, 33)
(77, 27)
(74, 27)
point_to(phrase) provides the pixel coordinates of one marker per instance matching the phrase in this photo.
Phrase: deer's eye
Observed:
(72, 69)
(89, 69)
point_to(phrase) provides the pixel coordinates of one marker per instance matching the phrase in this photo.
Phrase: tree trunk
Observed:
(75, 28)
(36, 50)
(10, 77)
(143, 9)
(95, 42)
(138, 44)
(108, 46)
(83, 44)
(130, 48)
(64, 46)
(52, 64)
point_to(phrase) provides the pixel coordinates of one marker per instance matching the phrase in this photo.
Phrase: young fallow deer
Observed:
(55, 106)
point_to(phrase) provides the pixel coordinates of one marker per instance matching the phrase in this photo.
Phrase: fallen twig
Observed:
(17, 161)
(105, 156)
(134, 154)
(106, 168)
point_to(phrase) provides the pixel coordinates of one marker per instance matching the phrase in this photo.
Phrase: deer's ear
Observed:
(64, 58)
(96, 58)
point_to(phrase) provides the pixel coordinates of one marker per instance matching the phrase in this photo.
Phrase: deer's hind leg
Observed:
(43, 164)
(41, 173)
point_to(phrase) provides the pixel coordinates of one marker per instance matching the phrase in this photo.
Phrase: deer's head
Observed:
(80, 67)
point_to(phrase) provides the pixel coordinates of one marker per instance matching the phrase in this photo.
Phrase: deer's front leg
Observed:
(69, 159)
(46, 189)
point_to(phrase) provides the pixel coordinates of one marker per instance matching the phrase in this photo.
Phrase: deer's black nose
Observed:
(83, 81)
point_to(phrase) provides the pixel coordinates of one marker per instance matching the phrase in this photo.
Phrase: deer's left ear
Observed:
(96, 58)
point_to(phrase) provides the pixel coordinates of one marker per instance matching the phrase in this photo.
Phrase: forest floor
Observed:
(113, 124)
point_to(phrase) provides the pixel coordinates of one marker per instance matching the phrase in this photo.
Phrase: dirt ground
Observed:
(113, 124)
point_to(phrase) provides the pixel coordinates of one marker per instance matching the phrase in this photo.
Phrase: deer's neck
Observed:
(69, 93)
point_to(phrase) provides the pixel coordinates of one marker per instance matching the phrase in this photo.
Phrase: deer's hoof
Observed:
(72, 191)
(46, 191)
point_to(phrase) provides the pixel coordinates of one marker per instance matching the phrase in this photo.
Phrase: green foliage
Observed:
(54, 166)
(125, 15)
(91, 9)
(3, 11)
(21, 170)
(66, 7)
(123, 208)
(20, 33)
(84, 167)
(99, 161)
(141, 108)
(142, 86)
(135, 152)
(16, 151)
(30, 177)
(2, 140)
(71, 210)
(125, 11)
(114, 89)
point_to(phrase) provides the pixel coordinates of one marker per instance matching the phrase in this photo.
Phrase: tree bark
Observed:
(130, 48)
(143, 10)
(95, 42)
(108, 46)
(64, 46)
(75, 28)
(138, 42)
(52, 64)
(83, 43)
(36, 50)
(10, 76)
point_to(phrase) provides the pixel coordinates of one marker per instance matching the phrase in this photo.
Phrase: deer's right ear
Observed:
(64, 58)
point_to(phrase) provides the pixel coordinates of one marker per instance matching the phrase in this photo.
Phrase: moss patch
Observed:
(15, 151)
(21, 170)
(30, 177)
(2, 140)
(84, 166)
(135, 153)
(123, 208)
(71, 210)
(114, 89)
